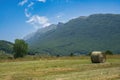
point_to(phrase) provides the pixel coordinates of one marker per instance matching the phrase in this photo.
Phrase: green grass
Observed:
(63, 68)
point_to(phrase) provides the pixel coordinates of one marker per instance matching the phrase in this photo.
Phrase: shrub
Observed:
(108, 52)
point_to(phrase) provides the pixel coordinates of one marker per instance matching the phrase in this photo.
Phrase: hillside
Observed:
(6, 46)
(79, 36)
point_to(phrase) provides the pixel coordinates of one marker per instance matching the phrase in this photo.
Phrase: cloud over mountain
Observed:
(35, 20)
(38, 21)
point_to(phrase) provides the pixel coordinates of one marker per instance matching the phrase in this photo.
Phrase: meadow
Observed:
(60, 68)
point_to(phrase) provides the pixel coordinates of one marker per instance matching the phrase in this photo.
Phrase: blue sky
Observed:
(21, 17)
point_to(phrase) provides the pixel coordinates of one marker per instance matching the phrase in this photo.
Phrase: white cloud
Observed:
(23, 2)
(31, 4)
(27, 14)
(41, 0)
(35, 20)
(38, 21)
(60, 15)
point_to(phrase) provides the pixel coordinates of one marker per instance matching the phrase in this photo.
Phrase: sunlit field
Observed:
(61, 68)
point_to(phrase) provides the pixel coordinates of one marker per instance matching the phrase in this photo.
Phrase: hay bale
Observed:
(98, 57)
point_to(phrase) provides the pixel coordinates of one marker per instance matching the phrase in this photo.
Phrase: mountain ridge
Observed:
(6, 46)
(80, 36)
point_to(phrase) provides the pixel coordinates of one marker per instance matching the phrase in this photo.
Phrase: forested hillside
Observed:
(6, 46)
(78, 36)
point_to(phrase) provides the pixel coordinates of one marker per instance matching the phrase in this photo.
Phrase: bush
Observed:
(108, 52)
(4, 55)
(71, 54)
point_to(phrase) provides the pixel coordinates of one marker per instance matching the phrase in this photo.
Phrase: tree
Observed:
(71, 54)
(57, 55)
(89, 54)
(20, 48)
(108, 52)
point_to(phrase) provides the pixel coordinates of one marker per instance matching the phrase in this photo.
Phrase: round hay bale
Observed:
(98, 57)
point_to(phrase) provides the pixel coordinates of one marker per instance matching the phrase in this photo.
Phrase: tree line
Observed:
(20, 48)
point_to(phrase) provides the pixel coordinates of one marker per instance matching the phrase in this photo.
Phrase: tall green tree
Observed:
(20, 48)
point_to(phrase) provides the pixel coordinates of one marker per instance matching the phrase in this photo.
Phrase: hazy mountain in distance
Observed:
(39, 33)
(79, 36)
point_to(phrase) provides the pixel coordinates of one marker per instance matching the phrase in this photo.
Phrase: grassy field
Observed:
(63, 68)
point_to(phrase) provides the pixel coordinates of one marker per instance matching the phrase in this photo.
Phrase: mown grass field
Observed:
(63, 68)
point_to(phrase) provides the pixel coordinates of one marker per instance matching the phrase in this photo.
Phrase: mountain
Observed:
(6, 46)
(33, 37)
(79, 36)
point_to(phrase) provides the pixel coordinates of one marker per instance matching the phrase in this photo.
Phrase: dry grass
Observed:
(63, 68)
